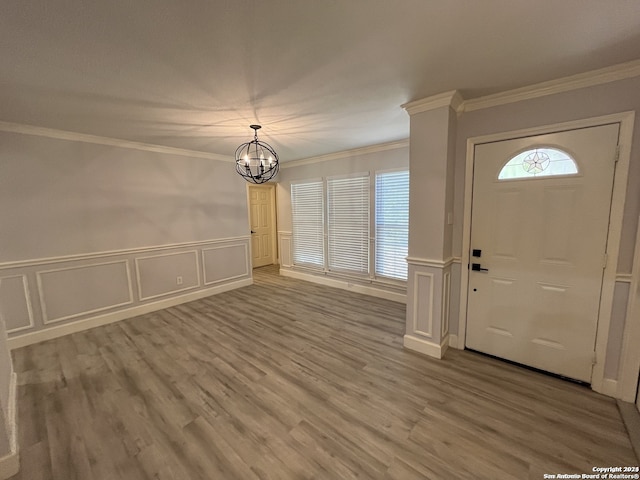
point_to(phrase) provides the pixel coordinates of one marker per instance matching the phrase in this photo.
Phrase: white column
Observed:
(431, 160)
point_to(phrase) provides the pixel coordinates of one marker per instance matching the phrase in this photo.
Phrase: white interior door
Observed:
(261, 207)
(542, 240)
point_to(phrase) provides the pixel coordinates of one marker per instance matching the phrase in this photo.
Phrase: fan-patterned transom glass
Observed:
(539, 162)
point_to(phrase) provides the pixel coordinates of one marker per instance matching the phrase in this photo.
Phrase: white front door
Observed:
(542, 240)
(261, 207)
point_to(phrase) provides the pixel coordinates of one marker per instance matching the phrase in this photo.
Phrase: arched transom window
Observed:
(539, 162)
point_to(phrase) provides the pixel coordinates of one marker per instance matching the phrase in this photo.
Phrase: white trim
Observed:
(453, 341)
(112, 253)
(285, 236)
(623, 277)
(345, 176)
(246, 263)
(381, 147)
(574, 82)
(421, 345)
(27, 297)
(85, 324)
(414, 306)
(446, 299)
(43, 306)
(10, 463)
(451, 99)
(626, 121)
(430, 262)
(112, 142)
(171, 292)
(630, 353)
(345, 285)
(609, 387)
(616, 219)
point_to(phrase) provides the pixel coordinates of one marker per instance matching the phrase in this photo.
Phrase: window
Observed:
(539, 162)
(307, 206)
(348, 224)
(392, 224)
(332, 221)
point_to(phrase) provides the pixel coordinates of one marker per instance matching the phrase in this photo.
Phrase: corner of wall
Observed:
(10, 463)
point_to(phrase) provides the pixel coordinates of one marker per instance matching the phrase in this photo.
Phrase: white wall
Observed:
(93, 231)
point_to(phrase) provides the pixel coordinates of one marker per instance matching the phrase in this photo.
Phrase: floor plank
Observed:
(290, 380)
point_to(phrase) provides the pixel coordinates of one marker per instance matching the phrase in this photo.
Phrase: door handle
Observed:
(476, 267)
(252, 231)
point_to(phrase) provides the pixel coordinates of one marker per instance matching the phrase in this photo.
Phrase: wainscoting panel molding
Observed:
(167, 274)
(111, 317)
(224, 263)
(423, 304)
(15, 303)
(446, 297)
(428, 311)
(285, 249)
(72, 292)
(77, 292)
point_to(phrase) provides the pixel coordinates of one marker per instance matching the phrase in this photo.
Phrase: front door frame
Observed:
(626, 120)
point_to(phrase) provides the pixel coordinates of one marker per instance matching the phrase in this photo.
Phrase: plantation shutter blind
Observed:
(307, 206)
(392, 224)
(348, 224)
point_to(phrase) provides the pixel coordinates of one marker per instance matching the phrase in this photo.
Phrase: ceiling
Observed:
(320, 76)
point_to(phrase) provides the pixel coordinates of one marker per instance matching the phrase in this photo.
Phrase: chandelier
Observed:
(256, 161)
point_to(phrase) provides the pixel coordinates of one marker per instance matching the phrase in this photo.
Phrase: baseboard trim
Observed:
(345, 285)
(92, 322)
(609, 387)
(10, 463)
(423, 346)
(453, 342)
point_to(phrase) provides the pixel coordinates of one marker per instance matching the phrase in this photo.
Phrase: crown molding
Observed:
(574, 82)
(381, 147)
(112, 142)
(451, 99)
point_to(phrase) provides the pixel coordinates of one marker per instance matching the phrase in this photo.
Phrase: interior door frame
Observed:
(630, 356)
(274, 210)
(626, 121)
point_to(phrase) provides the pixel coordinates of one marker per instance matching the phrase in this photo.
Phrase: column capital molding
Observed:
(451, 99)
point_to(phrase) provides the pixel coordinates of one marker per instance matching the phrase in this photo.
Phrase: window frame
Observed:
(540, 176)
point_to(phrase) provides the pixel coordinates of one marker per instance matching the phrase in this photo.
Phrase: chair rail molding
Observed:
(72, 295)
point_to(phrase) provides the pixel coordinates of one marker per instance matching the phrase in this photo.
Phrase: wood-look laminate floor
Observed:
(290, 380)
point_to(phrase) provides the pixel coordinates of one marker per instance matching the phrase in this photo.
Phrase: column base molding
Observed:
(426, 347)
